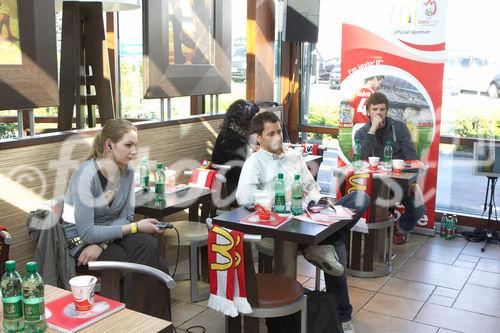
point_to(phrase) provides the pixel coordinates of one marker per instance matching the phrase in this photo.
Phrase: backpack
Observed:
(322, 316)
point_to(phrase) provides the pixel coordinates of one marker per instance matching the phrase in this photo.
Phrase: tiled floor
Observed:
(436, 286)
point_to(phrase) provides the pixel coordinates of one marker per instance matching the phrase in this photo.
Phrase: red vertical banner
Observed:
(398, 50)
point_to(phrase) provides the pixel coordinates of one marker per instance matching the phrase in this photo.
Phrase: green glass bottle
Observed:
(160, 182)
(12, 298)
(144, 173)
(279, 194)
(388, 155)
(33, 299)
(296, 207)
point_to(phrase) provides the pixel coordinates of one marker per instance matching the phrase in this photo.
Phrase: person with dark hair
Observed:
(99, 208)
(381, 128)
(373, 137)
(258, 176)
(232, 146)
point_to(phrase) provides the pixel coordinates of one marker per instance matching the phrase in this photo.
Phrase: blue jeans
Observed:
(358, 201)
(414, 211)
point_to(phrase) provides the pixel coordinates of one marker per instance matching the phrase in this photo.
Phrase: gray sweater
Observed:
(86, 211)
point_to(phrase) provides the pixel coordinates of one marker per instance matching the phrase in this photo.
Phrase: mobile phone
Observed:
(164, 225)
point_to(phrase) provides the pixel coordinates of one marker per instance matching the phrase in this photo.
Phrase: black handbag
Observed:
(322, 316)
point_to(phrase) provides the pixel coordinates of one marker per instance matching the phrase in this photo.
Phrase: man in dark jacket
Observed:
(380, 129)
(373, 138)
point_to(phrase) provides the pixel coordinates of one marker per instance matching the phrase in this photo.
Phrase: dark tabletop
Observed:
(295, 230)
(146, 204)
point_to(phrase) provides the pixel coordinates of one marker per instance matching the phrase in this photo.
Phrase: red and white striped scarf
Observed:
(227, 272)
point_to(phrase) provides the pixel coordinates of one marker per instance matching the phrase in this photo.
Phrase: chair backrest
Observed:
(202, 178)
(110, 285)
(5, 241)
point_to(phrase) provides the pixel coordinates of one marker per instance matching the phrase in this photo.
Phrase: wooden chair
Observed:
(110, 285)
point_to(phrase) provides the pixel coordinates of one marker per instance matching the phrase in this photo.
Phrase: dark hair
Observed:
(259, 121)
(378, 77)
(377, 98)
(238, 117)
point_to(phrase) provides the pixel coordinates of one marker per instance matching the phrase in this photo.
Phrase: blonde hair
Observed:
(114, 129)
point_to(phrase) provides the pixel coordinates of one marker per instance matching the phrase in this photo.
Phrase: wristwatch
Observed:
(103, 246)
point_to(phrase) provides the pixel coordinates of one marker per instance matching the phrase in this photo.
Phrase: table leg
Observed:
(233, 324)
(206, 208)
(193, 212)
(285, 258)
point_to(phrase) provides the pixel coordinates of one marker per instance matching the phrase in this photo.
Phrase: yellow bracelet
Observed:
(134, 228)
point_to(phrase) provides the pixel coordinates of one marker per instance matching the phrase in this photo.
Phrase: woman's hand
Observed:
(148, 226)
(90, 253)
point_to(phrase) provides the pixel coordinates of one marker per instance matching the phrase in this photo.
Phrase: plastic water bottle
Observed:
(34, 305)
(296, 207)
(455, 227)
(444, 220)
(12, 298)
(356, 153)
(279, 195)
(160, 182)
(449, 228)
(144, 173)
(388, 155)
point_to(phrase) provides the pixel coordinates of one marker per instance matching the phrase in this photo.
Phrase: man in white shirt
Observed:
(258, 176)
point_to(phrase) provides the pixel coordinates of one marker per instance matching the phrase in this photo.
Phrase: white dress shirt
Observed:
(260, 171)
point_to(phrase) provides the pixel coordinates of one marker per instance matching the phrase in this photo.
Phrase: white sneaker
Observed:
(324, 257)
(347, 327)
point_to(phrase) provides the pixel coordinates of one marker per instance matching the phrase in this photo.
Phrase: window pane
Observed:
(45, 120)
(458, 190)
(181, 107)
(323, 62)
(133, 105)
(470, 104)
(238, 57)
(8, 124)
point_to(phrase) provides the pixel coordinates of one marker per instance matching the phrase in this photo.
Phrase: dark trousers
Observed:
(358, 201)
(137, 248)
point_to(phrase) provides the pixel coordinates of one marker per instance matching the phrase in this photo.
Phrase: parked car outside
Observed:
(239, 64)
(474, 74)
(494, 88)
(334, 80)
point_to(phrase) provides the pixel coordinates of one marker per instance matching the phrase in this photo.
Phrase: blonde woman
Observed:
(99, 206)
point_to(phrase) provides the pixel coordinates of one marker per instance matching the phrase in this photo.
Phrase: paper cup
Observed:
(171, 175)
(82, 288)
(397, 165)
(263, 206)
(373, 161)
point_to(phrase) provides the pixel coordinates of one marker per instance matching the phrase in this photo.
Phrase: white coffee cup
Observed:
(397, 165)
(82, 288)
(373, 161)
(263, 205)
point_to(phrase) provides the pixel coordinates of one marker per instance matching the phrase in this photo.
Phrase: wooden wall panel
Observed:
(30, 175)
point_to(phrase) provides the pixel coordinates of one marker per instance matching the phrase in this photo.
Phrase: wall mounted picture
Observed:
(187, 47)
(10, 48)
(28, 64)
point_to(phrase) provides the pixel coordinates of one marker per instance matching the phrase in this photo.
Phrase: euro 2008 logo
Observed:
(430, 7)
